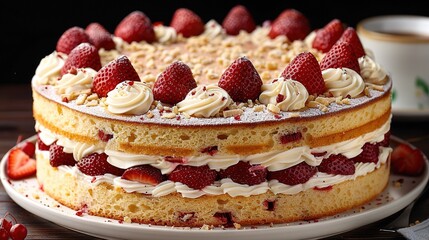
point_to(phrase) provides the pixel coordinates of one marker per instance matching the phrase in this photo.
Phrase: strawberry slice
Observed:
(58, 157)
(341, 55)
(238, 18)
(83, 56)
(111, 74)
(193, 177)
(20, 165)
(290, 23)
(135, 27)
(297, 174)
(187, 23)
(350, 37)
(245, 173)
(337, 164)
(145, 174)
(241, 80)
(96, 164)
(71, 38)
(406, 160)
(174, 83)
(328, 35)
(369, 154)
(99, 36)
(305, 69)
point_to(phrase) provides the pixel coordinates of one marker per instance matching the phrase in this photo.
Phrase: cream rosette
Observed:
(343, 82)
(49, 68)
(213, 29)
(75, 82)
(287, 94)
(372, 72)
(205, 101)
(130, 97)
(165, 34)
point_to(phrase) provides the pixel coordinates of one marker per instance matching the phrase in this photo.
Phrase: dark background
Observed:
(30, 30)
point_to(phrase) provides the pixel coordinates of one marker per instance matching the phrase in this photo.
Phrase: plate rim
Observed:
(161, 232)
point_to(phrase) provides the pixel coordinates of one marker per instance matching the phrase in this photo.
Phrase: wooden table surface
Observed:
(16, 119)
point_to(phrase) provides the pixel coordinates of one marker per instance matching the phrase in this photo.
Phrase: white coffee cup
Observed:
(400, 44)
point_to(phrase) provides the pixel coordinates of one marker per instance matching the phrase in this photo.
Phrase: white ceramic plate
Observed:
(28, 195)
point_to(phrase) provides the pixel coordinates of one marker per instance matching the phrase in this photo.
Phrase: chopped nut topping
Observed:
(232, 112)
(273, 108)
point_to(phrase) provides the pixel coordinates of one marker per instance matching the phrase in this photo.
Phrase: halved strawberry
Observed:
(41, 145)
(99, 36)
(297, 174)
(305, 69)
(245, 173)
(111, 74)
(83, 56)
(369, 154)
(290, 23)
(341, 55)
(187, 23)
(71, 38)
(337, 164)
(193, 177)
(28, 147)
(136, 27)
(20, 165)
(328, 35)
(174, 83)
(350, 36)
(386, 140)
(406, 160)
(241, 80)
(238, 18)
(58, 157)
(145, 174)
(96, 164)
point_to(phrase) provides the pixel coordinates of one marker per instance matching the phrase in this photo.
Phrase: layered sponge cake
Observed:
(194, 123)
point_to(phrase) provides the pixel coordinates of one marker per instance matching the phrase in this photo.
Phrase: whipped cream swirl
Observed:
(49, 68)
(343, 82)
(213, 29)
(129, 97)
(288, 94)
(75, 82)
(165, 34)
(371, 71)
(205, 101)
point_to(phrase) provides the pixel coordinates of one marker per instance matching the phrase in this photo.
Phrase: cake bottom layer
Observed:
(113, 202)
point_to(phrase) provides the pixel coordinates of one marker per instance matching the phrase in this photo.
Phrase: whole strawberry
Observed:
(369, 154)
(241, 80)
(96, 164)
(238, 18)
(328, 35)
(174, 83)
(407, 160)
(245, 173)
(99, 36)
(297, 174)
(187, 23)
(305, 69)
(350, 36)
(341, 55)
(193, 177)
(71, 38)
(136, 27)
(113, 73)
(58, 157)
(290, 23)
(84, 55)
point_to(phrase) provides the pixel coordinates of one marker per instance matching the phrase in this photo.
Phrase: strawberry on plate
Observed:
(341, 55)
(99, 36)
(71, 38)
(193, 177)
(350, 36)
(238, 18)
(96, 164)
(297, 174)
(28, 147)
(245, 173)
(111, 74)
(174, 83)
(145, 174)
(406, 160)
(305, 69)
(84, 55)
(328, 35)
(135, 27)
(187, 23)
(20, 165)
(290, 23)
(241, 80)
